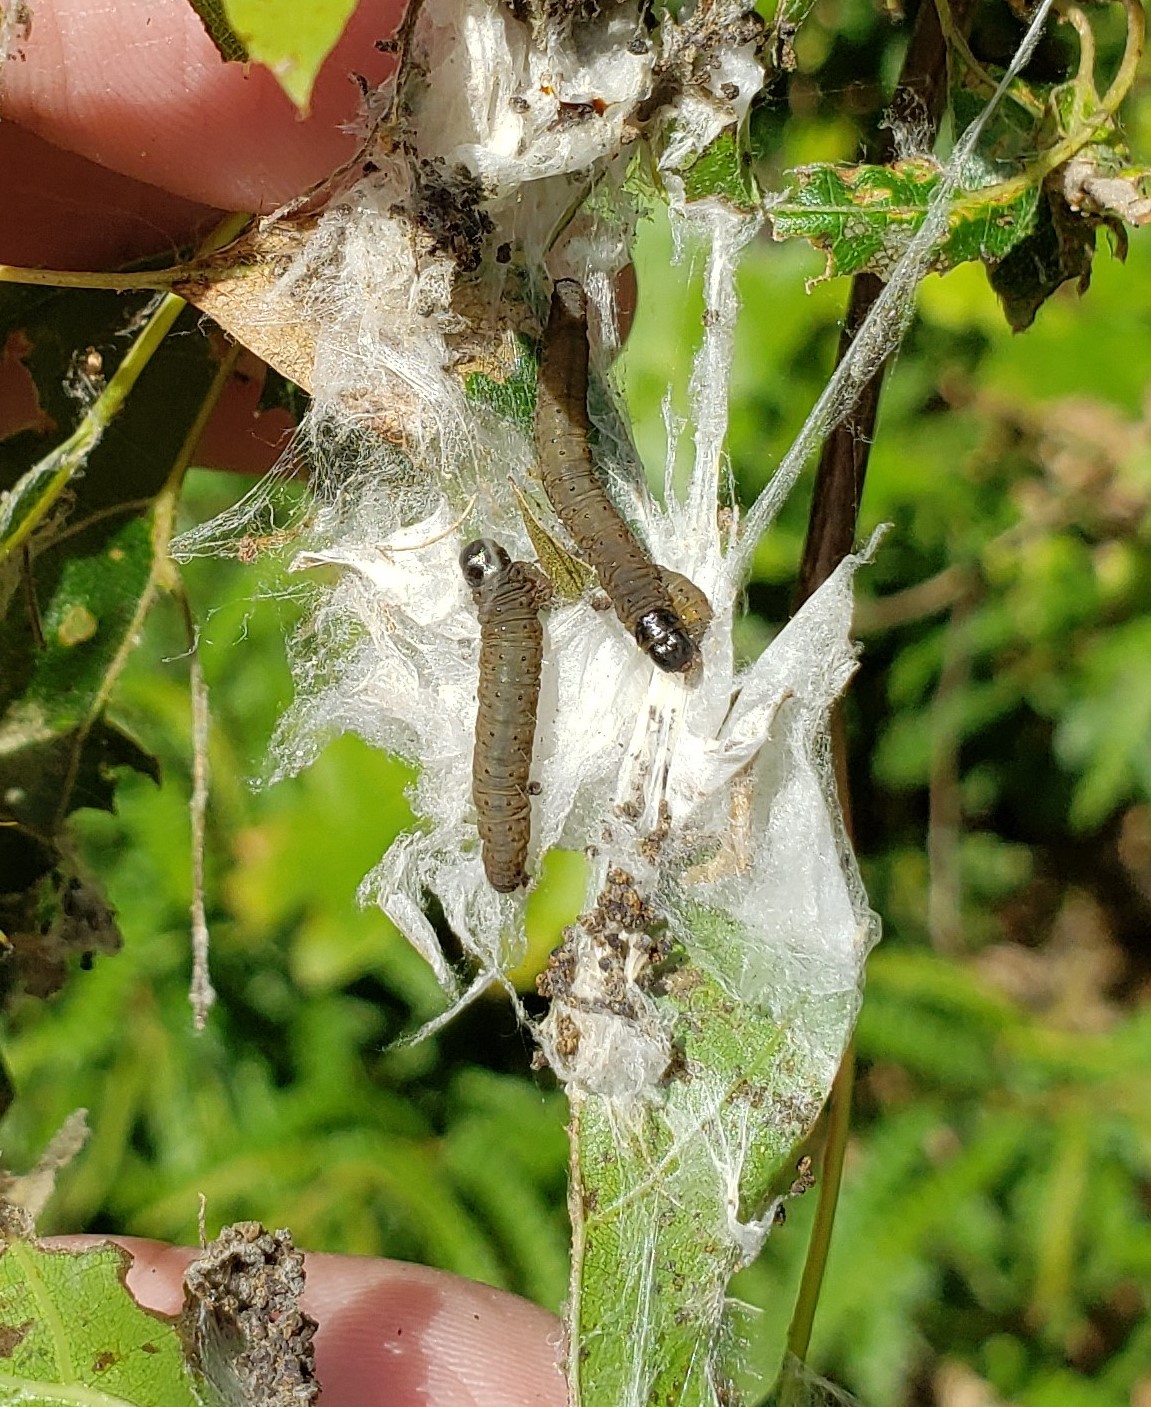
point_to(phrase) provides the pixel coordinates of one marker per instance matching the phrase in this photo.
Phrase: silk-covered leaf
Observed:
(507, 387)
(239, 289)
(862, 216)
(723, 169)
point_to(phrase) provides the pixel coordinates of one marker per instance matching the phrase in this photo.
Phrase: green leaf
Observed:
(723, 169)
(289, 38)
(863, 216)
(508, 389)
(1059, 249)
(520, 1194)
(71, 1332)
(570, 577)
(1104, 737)
(1011, 132)
(215, 20)
(645, 1246)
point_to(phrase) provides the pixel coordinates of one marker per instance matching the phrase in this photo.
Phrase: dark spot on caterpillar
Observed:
(636, 586)
(509, 596)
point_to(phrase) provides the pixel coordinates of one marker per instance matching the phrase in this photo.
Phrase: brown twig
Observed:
(916, 105)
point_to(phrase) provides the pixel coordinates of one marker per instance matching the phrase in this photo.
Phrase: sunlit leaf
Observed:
(292, 40)
(863, 216)
(214, 18)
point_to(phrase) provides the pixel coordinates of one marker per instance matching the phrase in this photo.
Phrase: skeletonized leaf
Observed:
(71, 1332)
(862, 216)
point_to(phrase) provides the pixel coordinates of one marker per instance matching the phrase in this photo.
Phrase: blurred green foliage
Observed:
(993, 1236)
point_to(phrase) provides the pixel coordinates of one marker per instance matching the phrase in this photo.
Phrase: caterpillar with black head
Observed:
(634, 583)
(509, 597)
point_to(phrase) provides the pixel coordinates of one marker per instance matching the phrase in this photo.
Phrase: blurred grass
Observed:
(994, 1216)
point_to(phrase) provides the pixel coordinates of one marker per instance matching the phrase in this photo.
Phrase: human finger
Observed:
(139, 88)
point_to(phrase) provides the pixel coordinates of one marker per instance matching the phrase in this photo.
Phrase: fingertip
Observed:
(61, 211)
(404, 1335)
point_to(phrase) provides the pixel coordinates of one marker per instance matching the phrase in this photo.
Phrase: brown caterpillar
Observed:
(631, 579)
(508, 597)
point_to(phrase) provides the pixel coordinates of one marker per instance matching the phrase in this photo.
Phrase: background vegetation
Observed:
(993, 1243)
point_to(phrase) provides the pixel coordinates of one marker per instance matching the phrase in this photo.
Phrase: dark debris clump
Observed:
(243, 1319)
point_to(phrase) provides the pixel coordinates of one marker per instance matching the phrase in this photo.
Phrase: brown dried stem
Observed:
(918, 104)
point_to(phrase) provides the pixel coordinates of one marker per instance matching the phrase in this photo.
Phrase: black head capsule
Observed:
(661, 635)
(483, 560)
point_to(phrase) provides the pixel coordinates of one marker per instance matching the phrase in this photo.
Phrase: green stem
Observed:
(1063, 151)
(155, 279)
(163, 573)
(958, 41)
(831, 1177)
(46, 481)
(57, 469)
(1085, 35)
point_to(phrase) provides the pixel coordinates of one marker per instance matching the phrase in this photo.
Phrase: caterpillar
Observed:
(634, 583)
(509, 596)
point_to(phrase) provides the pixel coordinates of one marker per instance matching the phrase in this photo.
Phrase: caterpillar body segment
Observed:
(689, 603)
(509, 596)
(631, 579)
